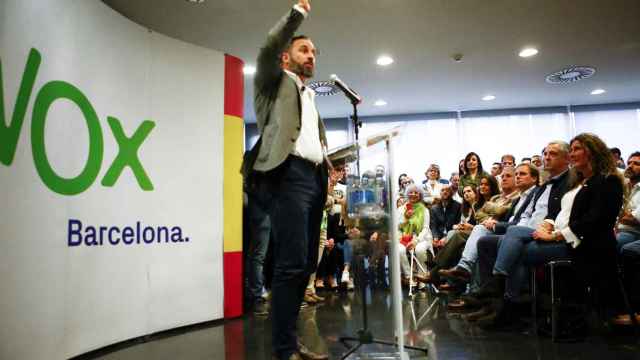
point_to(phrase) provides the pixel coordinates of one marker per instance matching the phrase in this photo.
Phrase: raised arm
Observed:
(269, 71)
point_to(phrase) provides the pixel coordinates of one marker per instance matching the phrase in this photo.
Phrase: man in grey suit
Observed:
(287, 167)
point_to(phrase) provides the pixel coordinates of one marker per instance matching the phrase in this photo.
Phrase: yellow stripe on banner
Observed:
(232, 188)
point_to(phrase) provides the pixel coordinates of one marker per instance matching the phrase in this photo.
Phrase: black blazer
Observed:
(558, 188)
(501, 226)
(592, 220)
(443, 219)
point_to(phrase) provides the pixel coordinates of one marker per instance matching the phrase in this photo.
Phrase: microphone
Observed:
(351, 94)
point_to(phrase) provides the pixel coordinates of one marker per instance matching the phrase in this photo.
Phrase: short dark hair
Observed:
(513, 158)
(296, 38)
(615, 150)
(634, 154)
(525, 159)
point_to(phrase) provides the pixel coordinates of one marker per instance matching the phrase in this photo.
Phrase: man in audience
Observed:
(499, 257)
(444, 215)
(526, 160)
(617, 156)
(496, 208)
(454, 182)
(537, 161)
(508, 160)
(526, 179)
(629, 223)
(496, 169)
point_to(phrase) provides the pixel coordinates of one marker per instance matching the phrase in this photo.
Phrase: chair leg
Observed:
(554, 306)
(534, 300)
(411, 274)
(627, 304)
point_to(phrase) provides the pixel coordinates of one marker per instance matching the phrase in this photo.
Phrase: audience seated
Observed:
(505, 261)
(582, 230)
(526, 181)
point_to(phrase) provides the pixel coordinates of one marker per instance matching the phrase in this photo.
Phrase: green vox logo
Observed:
(55, 90)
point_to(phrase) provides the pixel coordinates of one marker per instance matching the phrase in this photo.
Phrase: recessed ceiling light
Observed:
(380, 103)
(598, 91)
(384, 60)
(195, 1)
(528, 52)
(489, 98)
(249, 70)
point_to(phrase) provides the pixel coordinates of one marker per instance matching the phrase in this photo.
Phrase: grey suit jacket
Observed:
(277, 98)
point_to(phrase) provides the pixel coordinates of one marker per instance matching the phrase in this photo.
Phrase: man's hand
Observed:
(543, 235)
(330, 244)
(354, 233)
(408, 214)
(490, 223)
(412, 244)
(628, 219)
(305, 4)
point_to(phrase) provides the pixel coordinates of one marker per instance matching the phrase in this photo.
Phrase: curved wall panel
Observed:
(111, 177)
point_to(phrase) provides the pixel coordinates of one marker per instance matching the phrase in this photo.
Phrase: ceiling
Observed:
(422, 36)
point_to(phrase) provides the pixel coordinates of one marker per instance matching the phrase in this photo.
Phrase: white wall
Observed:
(59, 301)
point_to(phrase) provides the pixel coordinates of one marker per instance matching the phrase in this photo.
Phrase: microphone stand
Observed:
(357, 124)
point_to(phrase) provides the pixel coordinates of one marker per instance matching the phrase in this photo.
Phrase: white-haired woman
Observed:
(414, 228)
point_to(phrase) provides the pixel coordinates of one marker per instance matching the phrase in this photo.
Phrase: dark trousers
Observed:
(450, 253)
(297, 189)
(260, 232)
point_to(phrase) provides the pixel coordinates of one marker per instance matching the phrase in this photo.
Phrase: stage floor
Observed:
(426, 321)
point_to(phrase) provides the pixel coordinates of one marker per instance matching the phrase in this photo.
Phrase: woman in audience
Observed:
(472, 170)
(461, 167)
(487, 188)
(432, 185)
(416, 235)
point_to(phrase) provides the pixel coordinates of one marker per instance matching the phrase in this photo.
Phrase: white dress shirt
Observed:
(562, 220)
(308, 143)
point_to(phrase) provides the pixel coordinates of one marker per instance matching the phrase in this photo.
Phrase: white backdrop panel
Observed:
(59, 301)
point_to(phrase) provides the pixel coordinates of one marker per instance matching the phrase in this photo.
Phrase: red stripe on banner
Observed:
(232, 284)
(234, 344)
(233, 86)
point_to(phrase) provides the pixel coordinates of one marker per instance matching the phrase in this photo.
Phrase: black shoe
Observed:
(506, 318)
(494, 288)
(260, 308)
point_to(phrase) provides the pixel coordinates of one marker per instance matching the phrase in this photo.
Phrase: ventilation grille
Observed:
(571, 74)
(324, 88)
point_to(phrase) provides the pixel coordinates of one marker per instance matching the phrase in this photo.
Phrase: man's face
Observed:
(633, 168)
(300, 59)
(507, 161)
(455, 181)
(495, 170)
(555, 161)
(537, 161)
(524, 180)
(445, 193)
(507, 181)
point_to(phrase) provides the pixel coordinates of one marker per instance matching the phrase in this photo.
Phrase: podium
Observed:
(371, 209)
